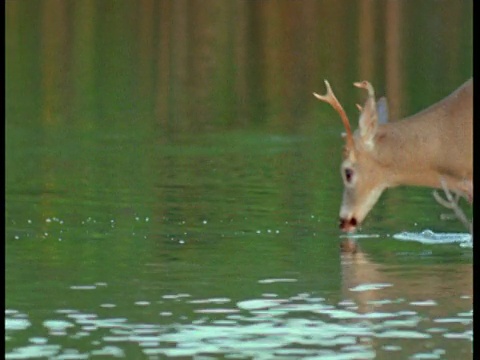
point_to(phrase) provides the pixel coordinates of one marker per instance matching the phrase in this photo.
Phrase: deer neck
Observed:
(408, 154)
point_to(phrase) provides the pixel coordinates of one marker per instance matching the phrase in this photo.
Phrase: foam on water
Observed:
(430, 237)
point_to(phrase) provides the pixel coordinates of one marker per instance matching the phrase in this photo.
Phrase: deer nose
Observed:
(348, 224)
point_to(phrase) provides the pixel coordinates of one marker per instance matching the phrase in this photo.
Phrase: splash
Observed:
(430, 237)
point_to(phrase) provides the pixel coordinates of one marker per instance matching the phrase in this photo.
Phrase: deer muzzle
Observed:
(348, 225)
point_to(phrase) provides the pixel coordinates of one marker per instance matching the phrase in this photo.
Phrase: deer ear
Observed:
(382, 110)
(368, 123)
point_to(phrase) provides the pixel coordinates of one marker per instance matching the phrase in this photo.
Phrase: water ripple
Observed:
(430, 237)
(300, 326)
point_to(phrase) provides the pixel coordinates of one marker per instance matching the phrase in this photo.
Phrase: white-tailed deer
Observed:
(425, 149)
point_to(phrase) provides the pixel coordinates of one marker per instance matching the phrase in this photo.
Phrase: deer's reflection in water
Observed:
(406, 304)
(397, 281)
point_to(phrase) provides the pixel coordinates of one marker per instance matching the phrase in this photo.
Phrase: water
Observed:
(429, 237)
(221, 255)
(160, 207)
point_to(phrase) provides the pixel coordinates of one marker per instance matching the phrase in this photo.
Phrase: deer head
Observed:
(361, 170)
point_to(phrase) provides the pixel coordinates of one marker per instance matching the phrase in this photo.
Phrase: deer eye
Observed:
(348, 174)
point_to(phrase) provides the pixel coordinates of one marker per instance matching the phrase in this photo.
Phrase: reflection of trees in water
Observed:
(197, 64)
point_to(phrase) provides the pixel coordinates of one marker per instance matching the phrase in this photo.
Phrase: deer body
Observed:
(420, 150)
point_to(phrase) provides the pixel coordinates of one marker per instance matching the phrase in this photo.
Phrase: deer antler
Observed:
(366, 85)
(330, 98)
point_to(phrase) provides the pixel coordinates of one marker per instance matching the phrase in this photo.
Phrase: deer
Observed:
(432, 148)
